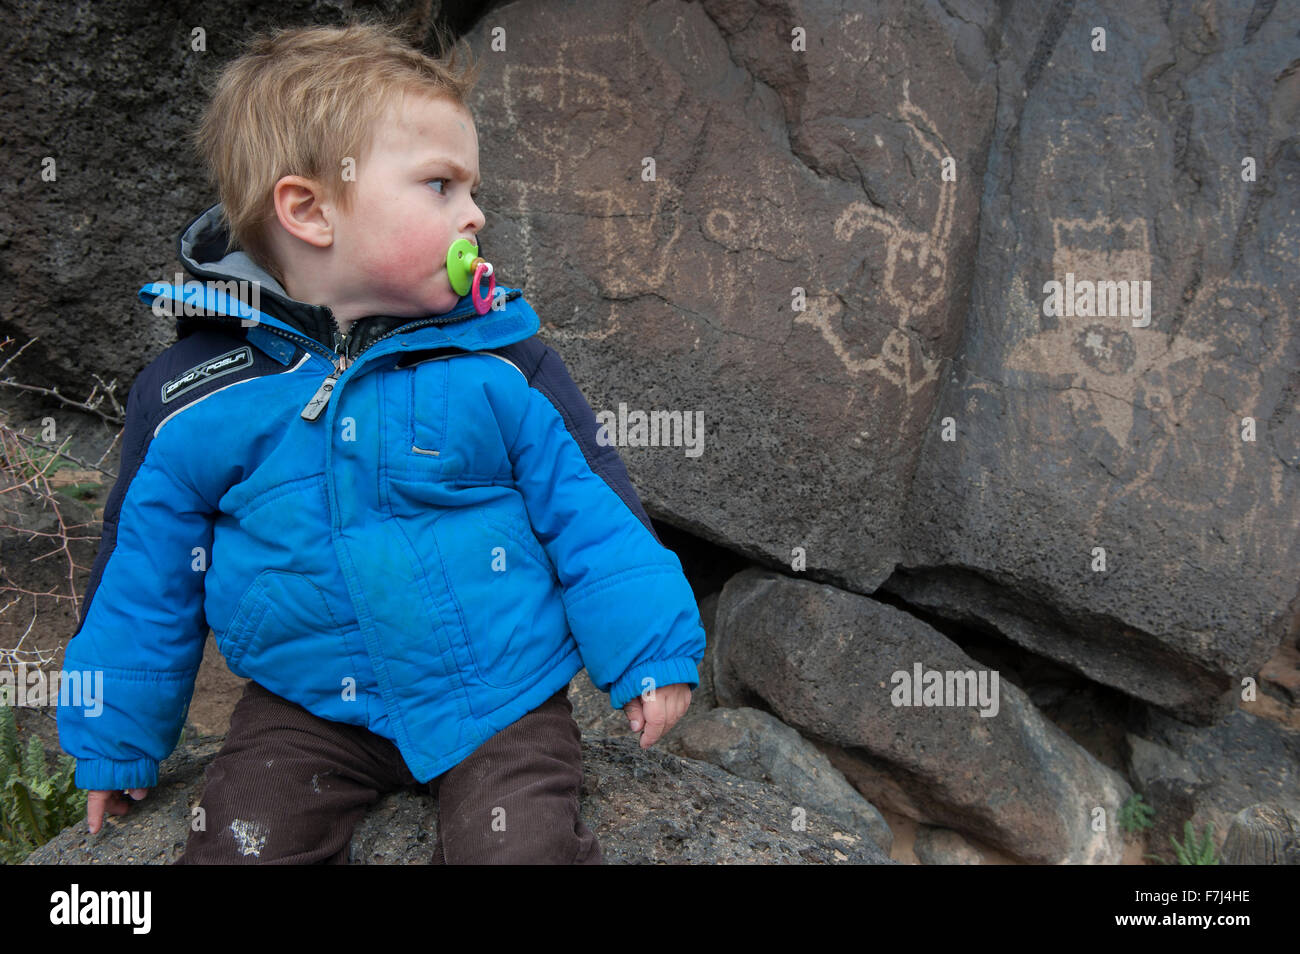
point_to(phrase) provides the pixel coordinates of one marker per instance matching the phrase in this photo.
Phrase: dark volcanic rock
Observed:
(836, 260)
(823, 661)
(646, 807)
(1078, 431)
(783, 180)
(755, 745)
(1207, 775)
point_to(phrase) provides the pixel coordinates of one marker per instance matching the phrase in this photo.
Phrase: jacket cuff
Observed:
(109, 775)
(664, 672)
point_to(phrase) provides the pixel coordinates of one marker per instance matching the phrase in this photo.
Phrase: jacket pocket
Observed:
(244, 624)
(508, 596)
(279, 613)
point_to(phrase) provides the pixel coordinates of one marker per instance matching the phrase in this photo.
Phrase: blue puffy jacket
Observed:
(428, 544)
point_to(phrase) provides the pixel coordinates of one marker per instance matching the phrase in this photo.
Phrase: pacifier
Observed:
(466, 270)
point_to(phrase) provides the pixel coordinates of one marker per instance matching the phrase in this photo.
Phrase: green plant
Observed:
(35, 805)
(52, 462)
(38, 459)
(1194, 851)
(1135, 814)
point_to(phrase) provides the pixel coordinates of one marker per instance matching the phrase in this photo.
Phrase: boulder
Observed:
(739, 214)
(942, 846)
(754, 744)
(834, 666)
(1118, 491)
(1209, 775)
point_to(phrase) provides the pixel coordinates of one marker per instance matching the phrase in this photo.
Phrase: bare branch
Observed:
(90, 405)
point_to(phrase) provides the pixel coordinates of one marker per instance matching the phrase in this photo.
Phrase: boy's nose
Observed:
(476, 219)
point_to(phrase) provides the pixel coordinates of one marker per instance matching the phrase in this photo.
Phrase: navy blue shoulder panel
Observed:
(195, 366)
(546, 372)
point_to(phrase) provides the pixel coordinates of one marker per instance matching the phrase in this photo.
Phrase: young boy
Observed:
(392, 512)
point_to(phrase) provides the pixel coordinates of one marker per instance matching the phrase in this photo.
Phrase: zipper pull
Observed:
(322, 395)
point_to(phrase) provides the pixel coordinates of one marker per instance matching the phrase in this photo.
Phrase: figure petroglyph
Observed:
(1105, 373)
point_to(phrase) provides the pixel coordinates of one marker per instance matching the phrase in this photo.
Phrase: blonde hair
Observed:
(299, 102)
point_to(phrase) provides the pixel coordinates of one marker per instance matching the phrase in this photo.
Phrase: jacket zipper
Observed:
(339, 356)
(316, 405)
(322, 395)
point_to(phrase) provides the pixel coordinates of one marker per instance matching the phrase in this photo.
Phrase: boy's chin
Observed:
(446, 298)
(445, 303)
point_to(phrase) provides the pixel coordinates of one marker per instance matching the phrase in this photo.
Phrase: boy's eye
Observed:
(442, 190)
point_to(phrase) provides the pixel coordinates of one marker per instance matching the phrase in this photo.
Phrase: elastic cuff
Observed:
(108, 775)
(664, 672)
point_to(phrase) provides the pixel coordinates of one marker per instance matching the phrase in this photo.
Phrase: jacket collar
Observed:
(202, 248)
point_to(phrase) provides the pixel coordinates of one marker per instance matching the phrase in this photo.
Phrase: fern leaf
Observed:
(1182, 851)
(28, 815)
(34, 768)
(1207, 847)
(9, 758)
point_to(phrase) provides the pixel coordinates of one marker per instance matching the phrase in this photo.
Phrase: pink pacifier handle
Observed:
(481, 305)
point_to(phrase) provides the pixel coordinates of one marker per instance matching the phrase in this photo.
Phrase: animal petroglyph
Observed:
(915, 269)
(900, 362)
(575, 148)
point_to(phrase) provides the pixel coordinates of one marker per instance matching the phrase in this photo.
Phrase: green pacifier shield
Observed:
(460, 270)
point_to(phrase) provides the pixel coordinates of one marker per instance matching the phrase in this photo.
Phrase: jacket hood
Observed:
(201, 247)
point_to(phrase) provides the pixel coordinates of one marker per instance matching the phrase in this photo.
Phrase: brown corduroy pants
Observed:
(289, 788)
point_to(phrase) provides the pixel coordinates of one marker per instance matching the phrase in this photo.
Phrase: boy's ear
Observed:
(299, 207)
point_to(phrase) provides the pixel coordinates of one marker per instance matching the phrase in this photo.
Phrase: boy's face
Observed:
(412, 199)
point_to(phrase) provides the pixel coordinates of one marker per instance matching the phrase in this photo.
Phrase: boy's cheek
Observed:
(403, 267)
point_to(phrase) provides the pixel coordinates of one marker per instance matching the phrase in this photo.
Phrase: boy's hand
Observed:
(98, 801)
(658, 713)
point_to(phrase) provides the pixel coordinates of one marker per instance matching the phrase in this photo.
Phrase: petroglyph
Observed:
(900, 361)
(1109, 352)
(593, 123)
(1106, 373)
(915, 268)
(574, 164)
